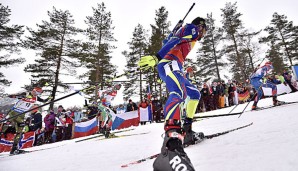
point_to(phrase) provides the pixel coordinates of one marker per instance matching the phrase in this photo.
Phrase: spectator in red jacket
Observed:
(144, 104)
(69, 116)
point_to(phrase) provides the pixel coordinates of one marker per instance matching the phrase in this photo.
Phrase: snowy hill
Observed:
(269, 144)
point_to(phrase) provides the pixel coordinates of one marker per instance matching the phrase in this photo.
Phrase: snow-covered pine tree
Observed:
(137, 48)
(209, 55)
(10, 37)
(232, 25)
(57, 50)
(160, 29)
(97, 58)
(275, 56)
(281, 32)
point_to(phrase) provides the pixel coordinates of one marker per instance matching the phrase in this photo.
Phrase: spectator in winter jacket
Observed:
(288, 79)
(92, 110)
(231, 89)
(215, 93)
(144, 104)
(157, 107)
(205, 96)
(131, 106)
(49, 121)
(221, 98)
(36, 121)
(60, 124)
(69, 118)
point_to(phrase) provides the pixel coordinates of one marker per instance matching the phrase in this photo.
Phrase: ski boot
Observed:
(18, 151)
(277, 102)
(172, 156)
(254, 106)
(191, 137)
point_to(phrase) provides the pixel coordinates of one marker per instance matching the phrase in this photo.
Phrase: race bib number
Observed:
(22, 106)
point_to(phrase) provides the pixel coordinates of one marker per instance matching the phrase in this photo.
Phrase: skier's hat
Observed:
(199, 21)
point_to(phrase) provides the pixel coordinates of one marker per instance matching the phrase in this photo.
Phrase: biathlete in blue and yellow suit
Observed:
(256, 81)
(171, 58)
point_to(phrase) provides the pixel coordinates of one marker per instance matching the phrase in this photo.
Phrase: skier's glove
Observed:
(147, 62)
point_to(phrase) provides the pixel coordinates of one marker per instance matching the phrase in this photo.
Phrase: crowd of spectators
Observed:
(58, 125)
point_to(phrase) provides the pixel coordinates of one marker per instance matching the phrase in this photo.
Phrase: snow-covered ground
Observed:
(269, 144)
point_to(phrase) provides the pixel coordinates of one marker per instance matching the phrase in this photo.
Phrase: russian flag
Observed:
(86, 128)
(27, 140)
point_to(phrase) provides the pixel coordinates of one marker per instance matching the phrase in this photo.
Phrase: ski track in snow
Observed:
(270, 144)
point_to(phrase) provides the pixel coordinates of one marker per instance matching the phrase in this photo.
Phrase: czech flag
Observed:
(124, 120)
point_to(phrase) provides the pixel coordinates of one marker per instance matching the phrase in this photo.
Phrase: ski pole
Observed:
(250, 101)
(189, 11)
(181, 21)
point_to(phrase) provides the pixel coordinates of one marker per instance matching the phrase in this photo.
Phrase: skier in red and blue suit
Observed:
(170, 60)
(256, 81)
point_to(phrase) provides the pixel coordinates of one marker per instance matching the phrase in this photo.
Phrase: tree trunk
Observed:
(215, 59)
(238, 56)
(57, 70)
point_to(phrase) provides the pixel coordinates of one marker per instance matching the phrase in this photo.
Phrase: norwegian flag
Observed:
(27, 140)
(6, 142)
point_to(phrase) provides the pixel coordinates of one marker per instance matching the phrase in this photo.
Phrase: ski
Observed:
(29, 151)
(271, 106)
(226, 132)
(239, 113)
(101, 135)
(121, 136)
(205, 137)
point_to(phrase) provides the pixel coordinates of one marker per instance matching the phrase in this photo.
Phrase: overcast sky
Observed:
(126, 14)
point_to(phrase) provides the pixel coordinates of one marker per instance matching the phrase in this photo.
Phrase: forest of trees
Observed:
(61, 48)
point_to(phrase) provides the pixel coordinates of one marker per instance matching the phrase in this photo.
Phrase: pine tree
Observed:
(57, 50)
(159, 32)
(281, 31)
(138, 46)
(10, 36)
(97, 50)
(232, 26)
(275, 56)
(294, 44)
(209, 55)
